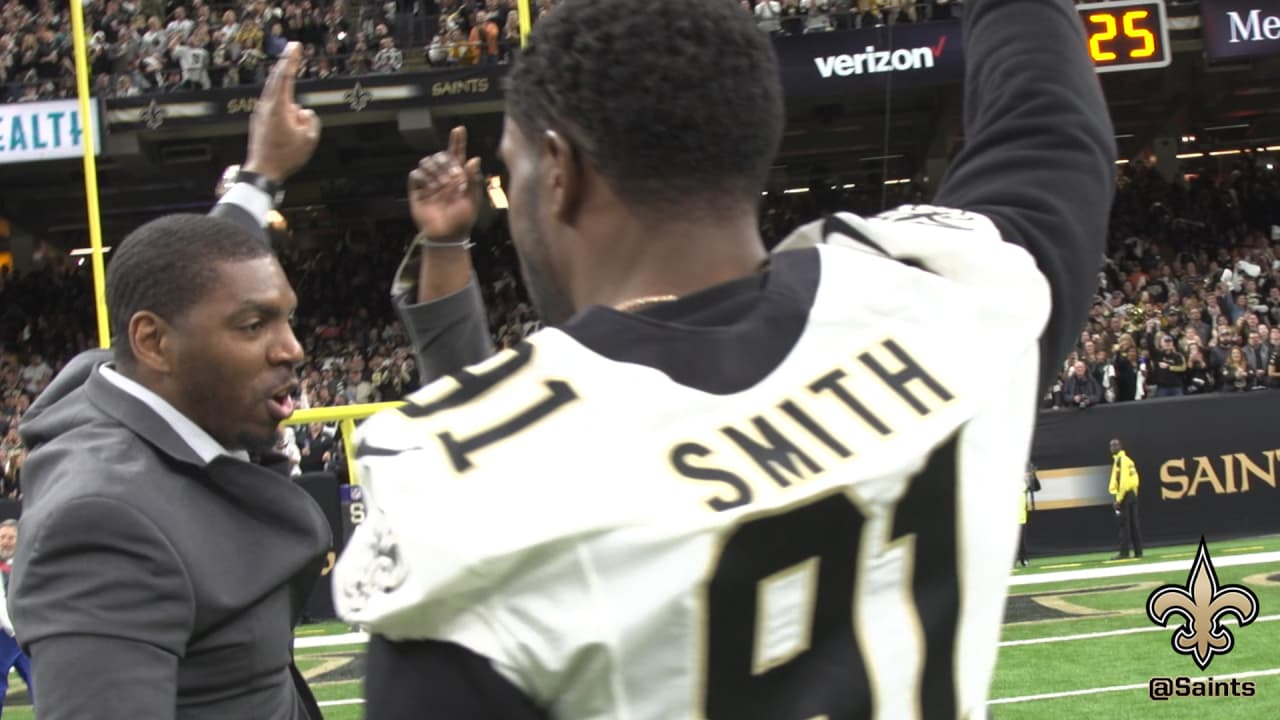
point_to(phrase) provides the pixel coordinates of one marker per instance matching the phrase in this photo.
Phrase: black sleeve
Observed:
(416, 679)
(1039, 159)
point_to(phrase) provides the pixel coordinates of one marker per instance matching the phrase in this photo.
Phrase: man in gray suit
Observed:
(161, 571)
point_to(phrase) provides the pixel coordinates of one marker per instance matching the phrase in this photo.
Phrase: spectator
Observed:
(389, 59)
(194, 61)
(1081, 389)
(276, 41)
(769, 15)
(1237, 374)
(1200, 377)
(1170, 367)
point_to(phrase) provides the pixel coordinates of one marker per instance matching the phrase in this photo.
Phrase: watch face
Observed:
(228, 179)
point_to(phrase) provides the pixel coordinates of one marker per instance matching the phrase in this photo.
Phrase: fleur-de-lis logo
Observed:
(358, 98)
(1204, 604)
(153, 116)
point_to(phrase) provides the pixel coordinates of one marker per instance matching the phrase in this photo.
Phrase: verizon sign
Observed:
(838, 63)
(872, 60)
(1237, 29)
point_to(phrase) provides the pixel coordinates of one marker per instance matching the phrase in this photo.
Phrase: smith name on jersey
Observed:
(787, 497)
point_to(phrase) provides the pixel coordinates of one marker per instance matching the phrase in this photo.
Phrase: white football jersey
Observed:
(809, 511)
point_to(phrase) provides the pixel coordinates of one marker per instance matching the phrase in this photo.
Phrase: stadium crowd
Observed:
(1189, 293)
(138, 47)
(1188, 303)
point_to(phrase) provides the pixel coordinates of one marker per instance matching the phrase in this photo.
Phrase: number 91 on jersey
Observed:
(1126, 34)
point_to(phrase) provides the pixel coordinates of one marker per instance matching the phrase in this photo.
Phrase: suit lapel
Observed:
(142, 420)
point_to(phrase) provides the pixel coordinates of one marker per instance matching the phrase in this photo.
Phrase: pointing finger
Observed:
(458, 144)
(289, 74)
(473, 172)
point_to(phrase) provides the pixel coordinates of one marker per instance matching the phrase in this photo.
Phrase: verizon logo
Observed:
(879, 61)
(1254, 27)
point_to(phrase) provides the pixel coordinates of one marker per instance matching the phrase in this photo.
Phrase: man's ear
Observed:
(563, 176)
(151, 340)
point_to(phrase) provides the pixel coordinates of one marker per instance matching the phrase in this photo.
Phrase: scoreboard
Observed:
(1126, 34)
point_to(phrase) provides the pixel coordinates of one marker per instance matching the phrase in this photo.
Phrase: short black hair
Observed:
(168, 265)
(672, 100)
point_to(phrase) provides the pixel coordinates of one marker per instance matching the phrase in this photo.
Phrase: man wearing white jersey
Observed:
(723, 483)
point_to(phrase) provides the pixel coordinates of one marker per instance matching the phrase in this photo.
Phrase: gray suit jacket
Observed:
(150, 584)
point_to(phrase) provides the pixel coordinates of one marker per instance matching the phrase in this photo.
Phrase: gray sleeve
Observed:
(447, 334)
(103, 605)
(80, 677)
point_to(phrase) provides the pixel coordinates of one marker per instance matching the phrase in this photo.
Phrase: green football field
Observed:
(1077, 643)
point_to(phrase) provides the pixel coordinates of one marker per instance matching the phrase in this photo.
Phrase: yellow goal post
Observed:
(346, 417)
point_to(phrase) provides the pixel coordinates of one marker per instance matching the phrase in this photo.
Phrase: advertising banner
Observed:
(1207, 465)
(345, 95)
(36, 131)
(1238, 29)
(851, 61)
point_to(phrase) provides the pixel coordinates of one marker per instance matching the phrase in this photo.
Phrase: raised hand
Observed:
(282, 135)
(445, 191)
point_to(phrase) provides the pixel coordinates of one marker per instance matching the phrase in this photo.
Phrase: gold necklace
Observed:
(647, 300)
(651, 299)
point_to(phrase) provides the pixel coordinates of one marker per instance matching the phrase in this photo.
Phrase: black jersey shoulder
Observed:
(722, 340)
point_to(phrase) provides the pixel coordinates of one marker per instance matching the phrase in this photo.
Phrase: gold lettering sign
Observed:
(241, 106)
(1217, 474)
(474, 86)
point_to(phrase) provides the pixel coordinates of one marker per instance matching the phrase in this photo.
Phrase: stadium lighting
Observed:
(87, 251)
(795, 191)
(1219, 153)
(899, 181)
(1185, 156)
(1122, 162)
(849, 186)
(1273, 148)
(497, 196)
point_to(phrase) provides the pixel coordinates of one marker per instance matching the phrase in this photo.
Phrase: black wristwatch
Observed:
(273, 190)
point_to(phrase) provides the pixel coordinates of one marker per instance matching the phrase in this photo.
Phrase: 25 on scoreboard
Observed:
(1126, 34)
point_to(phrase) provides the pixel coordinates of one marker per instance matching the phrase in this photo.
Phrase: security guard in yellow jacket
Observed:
(1124, 488)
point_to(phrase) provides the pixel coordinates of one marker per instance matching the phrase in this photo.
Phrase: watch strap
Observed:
(273, 189)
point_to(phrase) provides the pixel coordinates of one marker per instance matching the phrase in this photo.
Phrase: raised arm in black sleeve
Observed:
(1039, 158)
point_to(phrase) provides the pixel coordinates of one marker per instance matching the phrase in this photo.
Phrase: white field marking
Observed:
(1141, 569)
(1121, 688)
(331, 703)
(1126, 631)
(358, 638)
(355, 638)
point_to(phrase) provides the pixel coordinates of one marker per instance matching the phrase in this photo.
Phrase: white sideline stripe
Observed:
(1111, 633)
(1121, 688)
(1141, 569)
(355, 638)
(358, 638)
(331, 703)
